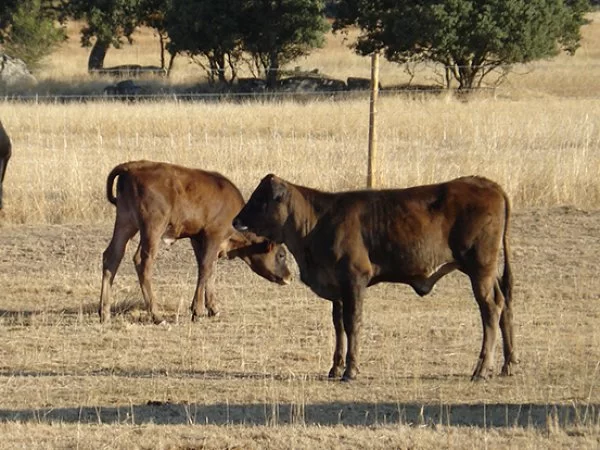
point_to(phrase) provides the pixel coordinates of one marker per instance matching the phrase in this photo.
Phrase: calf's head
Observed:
(265, 257)
(266, 211)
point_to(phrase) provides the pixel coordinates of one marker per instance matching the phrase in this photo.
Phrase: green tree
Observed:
(29, 30)
(276, 32)
(153, 14)
(209, 29)
(108, 22)
(470, 38)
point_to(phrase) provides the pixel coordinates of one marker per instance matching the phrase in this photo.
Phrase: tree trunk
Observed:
(161, 39)
(97, 55)
(273, 71)
(170, 66)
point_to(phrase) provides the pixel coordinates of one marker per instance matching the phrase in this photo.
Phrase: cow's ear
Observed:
(279, 191)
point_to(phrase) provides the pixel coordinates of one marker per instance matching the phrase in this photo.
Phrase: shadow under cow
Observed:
(497, 415)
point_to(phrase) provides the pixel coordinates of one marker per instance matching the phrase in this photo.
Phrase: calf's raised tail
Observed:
(118, 171)
(110, 180)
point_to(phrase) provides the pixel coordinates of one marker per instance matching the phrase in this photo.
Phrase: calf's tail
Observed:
(110, 181)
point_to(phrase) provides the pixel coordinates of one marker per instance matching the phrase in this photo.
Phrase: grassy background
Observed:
(255, 377)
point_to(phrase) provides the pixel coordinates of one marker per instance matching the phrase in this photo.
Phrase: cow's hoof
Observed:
(335, 372)
(350, 374)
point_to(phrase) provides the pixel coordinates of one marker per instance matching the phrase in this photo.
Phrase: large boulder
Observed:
(14, 72)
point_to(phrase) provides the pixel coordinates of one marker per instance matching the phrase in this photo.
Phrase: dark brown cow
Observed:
(5, 152)
(172, 202)
(344, 242)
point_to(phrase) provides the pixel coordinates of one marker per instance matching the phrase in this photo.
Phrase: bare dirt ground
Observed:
(263, 362)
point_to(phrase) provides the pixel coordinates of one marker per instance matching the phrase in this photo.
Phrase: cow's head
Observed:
(265, 257)
(267, 209)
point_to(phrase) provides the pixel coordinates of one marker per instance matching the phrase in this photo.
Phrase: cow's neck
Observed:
(307, 206)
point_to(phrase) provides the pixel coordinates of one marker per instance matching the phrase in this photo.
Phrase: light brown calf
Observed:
(344, 242)
(170, 202)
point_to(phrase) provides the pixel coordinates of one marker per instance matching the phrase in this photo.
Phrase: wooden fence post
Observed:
(372, 165)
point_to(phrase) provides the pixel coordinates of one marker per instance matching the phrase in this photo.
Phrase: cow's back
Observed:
(407, 231)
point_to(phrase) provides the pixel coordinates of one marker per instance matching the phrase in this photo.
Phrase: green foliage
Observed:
(110, 22)
(279, 31)
(272, 32)
(470, 38)
(107, 20)
(30, 31)
(210, 29)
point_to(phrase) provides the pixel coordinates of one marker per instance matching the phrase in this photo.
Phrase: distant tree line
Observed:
(468, 38)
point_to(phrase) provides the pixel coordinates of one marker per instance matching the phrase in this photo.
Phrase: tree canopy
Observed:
(271, 32)
(29, 29)
(470, 38)
(277, 32)
(108, 22)
(210, 29)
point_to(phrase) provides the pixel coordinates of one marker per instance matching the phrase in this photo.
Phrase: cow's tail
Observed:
(506, 282)
(110, 181)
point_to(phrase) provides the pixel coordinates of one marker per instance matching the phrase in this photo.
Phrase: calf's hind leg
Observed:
(111, 259)
(144, 263)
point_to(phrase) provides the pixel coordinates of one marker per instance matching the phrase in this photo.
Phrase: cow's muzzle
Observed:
(238, 225)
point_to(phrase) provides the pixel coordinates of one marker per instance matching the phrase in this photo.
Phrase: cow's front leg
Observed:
(340, 339)
(352, 298)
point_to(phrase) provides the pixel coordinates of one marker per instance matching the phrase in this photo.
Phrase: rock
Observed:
(124, 89)
(14, 72)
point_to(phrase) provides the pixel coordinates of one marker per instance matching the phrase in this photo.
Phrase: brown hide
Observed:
(344, 242)
(170, 202)
(5, 153)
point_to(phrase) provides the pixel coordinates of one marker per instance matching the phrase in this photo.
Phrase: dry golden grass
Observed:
(255, 377)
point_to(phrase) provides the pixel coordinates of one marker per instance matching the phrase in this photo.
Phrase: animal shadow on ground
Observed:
(131, 310)
(499, 415)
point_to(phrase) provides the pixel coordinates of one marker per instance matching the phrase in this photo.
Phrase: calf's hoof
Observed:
(507, 368)
(158, 320)
(213, 312)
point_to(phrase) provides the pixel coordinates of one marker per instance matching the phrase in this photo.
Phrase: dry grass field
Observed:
(255, 377)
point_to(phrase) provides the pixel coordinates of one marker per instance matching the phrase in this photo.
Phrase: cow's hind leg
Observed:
(144, 264)
(340, 340)
(490, 306)
(206, 250)
(111, 259)
(507, 329)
